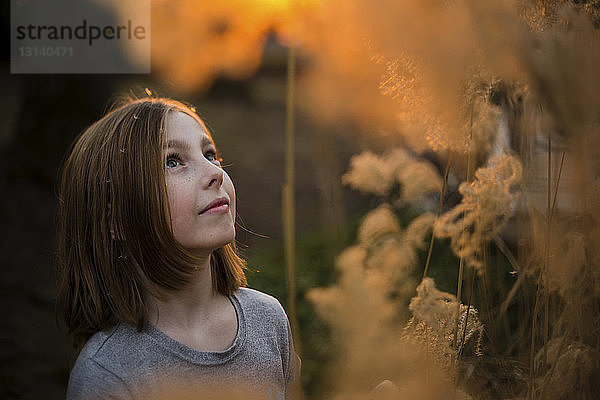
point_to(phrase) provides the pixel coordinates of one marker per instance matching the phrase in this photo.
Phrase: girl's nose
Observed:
(215, 178)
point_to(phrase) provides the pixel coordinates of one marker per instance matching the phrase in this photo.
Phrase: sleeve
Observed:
(90, 381)
(293, 383)
(292, 367)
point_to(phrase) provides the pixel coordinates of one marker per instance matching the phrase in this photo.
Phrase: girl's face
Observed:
(201, 194)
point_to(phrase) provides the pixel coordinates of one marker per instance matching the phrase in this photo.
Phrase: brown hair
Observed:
(115, 243)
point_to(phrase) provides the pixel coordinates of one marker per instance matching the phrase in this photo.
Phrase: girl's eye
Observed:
(211, 156)
(172, 161)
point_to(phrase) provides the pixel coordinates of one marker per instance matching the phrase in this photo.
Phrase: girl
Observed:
(149, 280)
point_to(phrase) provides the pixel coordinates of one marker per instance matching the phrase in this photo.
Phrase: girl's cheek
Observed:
(230, 189)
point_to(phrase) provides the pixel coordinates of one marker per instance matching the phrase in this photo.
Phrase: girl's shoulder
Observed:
(108, 346)
(267, 318)
(95, 374)
(254, 300)
(262, 310)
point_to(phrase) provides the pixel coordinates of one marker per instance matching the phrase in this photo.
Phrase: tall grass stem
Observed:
(289, 204)
(439, 211)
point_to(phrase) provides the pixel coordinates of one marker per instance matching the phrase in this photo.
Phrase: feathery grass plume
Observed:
(360, 314)
(418, 228)
(478, 127)
(372, 343)
(475, 128)
(369, 174)
(402, 83)
(395, 259)
(486, 206)
(423, 54)
(391, 250)
(379, 223)
(387, 249)
(417, 177)
(434, 322)
(364, 306)
(431, 305)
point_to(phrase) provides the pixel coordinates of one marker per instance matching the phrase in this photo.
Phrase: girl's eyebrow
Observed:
(183, 145)
(177, 144)
(207, 140)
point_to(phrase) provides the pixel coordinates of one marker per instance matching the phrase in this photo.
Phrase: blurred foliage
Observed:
(316, 252)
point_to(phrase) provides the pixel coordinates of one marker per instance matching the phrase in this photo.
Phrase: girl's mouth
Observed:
(217, 206)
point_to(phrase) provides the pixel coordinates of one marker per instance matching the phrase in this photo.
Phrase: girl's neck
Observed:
(188, 307)
(197, 316)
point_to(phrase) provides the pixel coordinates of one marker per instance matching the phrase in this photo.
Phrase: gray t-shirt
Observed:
(125, 364)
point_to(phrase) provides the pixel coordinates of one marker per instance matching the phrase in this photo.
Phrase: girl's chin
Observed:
(205, 247)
